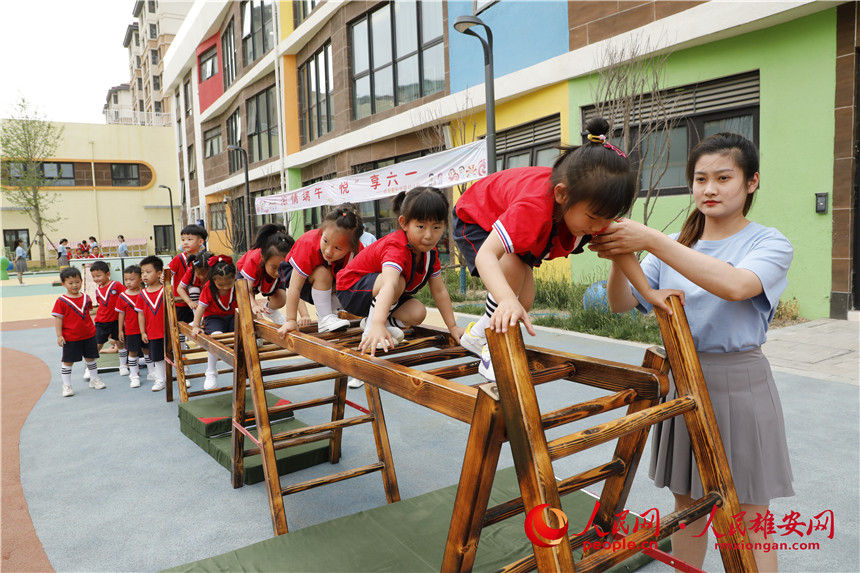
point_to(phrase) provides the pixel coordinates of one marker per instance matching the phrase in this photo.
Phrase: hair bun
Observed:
(597, 126)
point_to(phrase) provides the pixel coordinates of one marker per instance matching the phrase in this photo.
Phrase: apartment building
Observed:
(315, 90)
(118, 108)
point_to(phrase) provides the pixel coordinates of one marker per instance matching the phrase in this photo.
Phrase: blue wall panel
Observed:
(524, 33)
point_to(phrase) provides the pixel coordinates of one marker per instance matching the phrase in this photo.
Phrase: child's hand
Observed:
(193, 305)
(305, 320)
(122, 337)
(257, 309)
(61, 341)
(195, 332)
(144, 338)
(508, 314)
(376, 334)
(658, 297)
(288, 326)
(457, 332)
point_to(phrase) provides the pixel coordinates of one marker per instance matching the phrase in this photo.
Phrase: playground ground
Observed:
(105, 481)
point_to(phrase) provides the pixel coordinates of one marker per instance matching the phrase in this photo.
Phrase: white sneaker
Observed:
(354, 383)
(67, 391)
(150, 374)
(211, 381)
(86, 372)
(124, 371)
(485, 368)
(187, 381)
(276, 316)
(159, 385)
(134, 381)
(472, 340)
(184, 346)
(394, 331)
(97, 384)
(331, 323)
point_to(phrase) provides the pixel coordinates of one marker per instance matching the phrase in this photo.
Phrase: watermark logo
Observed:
(538, 530)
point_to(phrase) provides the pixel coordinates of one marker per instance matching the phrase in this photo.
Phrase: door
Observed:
(164, 242)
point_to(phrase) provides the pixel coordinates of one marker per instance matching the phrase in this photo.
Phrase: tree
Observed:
(26, 140)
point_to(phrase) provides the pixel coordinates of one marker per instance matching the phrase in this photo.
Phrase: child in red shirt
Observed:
(191, 239)
(127, 321)
(107, 292)
(194, 279)
(216, 308)
(316, 258)
(150, 315)
(259, 266)
(76, 333)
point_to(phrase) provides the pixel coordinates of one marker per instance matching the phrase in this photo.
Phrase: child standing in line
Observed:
(107, 292)
(316, 258)
(150, 316)
(127, 321)
(194, 279)
(379, 283)
(216, 308)
(511, 221)
(191, 240)
(259, 266)
(734, 271)
(76, 333)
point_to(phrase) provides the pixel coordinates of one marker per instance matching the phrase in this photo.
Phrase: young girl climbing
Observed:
(216, 308)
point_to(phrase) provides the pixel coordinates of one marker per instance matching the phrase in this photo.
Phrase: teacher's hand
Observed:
(622, 237)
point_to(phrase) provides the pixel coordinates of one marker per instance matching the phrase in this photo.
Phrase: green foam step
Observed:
(211, 415)
(288, 459)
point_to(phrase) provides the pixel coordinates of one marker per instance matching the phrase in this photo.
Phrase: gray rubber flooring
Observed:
(112, 484)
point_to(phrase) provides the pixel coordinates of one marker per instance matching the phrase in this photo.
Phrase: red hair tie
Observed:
(219, 259)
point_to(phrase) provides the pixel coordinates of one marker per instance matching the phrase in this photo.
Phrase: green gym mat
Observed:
(211, 415)
(288, 459)
(401, 537)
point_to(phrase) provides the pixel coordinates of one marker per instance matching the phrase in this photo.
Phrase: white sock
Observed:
(132, 366)
(66, 375)
(322, 301)
(148, 361)
(123, 357)
(335, 303)
(396, 322)
(483, 323)
(93, 367)
(159, 370)
(212, 364)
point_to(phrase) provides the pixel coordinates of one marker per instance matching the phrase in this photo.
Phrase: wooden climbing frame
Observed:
(507, 410)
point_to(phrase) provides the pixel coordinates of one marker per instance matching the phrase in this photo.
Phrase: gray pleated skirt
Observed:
(749, 415)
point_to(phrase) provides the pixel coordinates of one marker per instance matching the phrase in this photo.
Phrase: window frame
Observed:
(266, 29)
(310, 120)
(192, 164)
(153, 57)
(228, 54)
(209, 139)
(234, 137)
(59, 181)
(207, 62)
(127, 180)
(153, 31)
(186, 88)
(257, 132)
(217, 216)
(156, 82)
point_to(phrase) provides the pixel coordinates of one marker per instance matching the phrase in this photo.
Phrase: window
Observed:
(187, 92)
(58, 174)
(260, 220)
(11, 237)
(137, 41)
(192, 164)
(164, 239)
(228, 55)
(153, 31)
(397, 56)
(156, 107)
(156, 82)
(115, 99)
(208, 63)
(258, 33)
(137, 61)
(217, 216)
(262, 126)
(140, 84)
(125, 175)
(233, 134)
(531, 144)
(303, 8)
(315, 95)
(151, 6)
(140, 105)
(153, 55)
(212, 142)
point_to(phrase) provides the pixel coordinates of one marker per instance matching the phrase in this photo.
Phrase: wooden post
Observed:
(171, 343)
(383, 446)
(337, 410)
(240, 375)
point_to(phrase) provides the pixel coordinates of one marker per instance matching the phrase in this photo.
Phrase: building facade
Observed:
(314, 90)
(117, 108)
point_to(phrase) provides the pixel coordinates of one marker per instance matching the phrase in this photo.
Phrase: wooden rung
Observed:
(510, 508)
(586, 409)
(333, 478)
(455, 370)
(272, 354)
(190, 361)
(408, 345)
(302, 405)
(212, 391)
(222, 336)
(307, 430)
(298, 380)
(289, 368)
(336, 336)
(591, 437)
(202, 374)
(289, 444)
(449, 353)
(544, 375)
(195, 350)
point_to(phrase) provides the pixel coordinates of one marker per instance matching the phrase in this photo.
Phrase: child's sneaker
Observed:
(67, 391)
(395, 331)
(151, 375)
(135, 381)
(159, 385)
(86, 373)
(473, 341)
(331, 323)
(485, 368)
(354, 382)
(211, 381)
(187, 381)
(97, 384)
(276, 316)
(124, 371)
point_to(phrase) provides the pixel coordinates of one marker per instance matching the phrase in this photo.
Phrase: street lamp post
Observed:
(172, 222)
(464, 25)
(247, 194)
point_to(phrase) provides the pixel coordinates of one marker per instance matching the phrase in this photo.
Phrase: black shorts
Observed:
(106, 330)
(184, 314)
(469, 238)
(219, 323)
(285, 271)
(133, 343)
(156, 349)
(74, 350)
(357, 298)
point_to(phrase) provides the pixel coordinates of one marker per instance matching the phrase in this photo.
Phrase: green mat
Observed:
(288, 459)
(401, 537)
(211, 415)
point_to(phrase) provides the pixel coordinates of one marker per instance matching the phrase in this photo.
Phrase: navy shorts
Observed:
(219, 323)
(285, 270)
(74, 350)
(133, 343)
(156, 349)
(357, 298)
(106, 330)
(469, 238)
(184, 314)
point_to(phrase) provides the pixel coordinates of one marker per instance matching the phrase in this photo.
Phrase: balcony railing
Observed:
(129, 116)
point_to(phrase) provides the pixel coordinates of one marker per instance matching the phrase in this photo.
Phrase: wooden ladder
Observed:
(509, 408)
(248, 366)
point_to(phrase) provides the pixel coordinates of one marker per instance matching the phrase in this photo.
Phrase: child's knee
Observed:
(321, 278)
